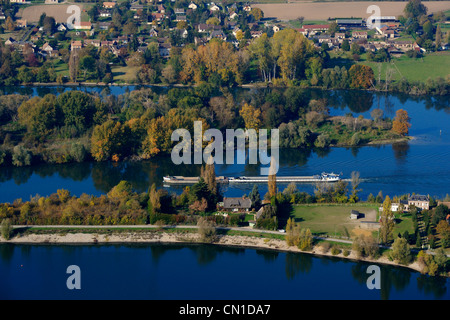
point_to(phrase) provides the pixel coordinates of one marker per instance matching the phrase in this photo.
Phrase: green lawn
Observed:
(432, 65)
(404, 223)
(329, 219)
(124, 74)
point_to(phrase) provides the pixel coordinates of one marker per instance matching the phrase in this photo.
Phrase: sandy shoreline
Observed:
(185, 238)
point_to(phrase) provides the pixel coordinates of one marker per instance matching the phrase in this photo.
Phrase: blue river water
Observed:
(212, 272)
(419, 166)
(172, 272)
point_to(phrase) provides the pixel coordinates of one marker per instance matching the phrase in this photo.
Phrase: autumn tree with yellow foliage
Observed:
(251, 116)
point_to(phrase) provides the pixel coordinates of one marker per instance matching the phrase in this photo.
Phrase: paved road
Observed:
(27, 34)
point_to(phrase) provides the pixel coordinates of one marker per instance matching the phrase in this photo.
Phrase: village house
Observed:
(61, 27)
(180, 18)
(164, 50)
(217, 34)
(75, 45)
(232, 15)
(153, 32)
(2, 15)
(314, 28)
(179, 11)
(203, 27)
(96, 43)
(256, 34)
(83, 25)
(235, 31)
(9, 41)
(18, 1)
(349, 23)
(109, 5)
(105, 25)
(302, 31)
(238, 204)
(419, 201)
(136, 6)
(21, 23)
(105, 14)
(35, 37)
(339, 35)
(214, 7)
(51, 1)
(192, 6)
(359, 34)
(157, 16)
(247, 8)
(402, 45)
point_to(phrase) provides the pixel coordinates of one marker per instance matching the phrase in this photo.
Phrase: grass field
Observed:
(124, 74)
(331, 219)
(432, 65)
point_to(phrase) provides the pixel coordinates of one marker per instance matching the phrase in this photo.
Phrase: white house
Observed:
(214, 7)
(61, 27)
(192, 6)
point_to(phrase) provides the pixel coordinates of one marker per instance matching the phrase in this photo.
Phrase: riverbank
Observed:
(161, 237)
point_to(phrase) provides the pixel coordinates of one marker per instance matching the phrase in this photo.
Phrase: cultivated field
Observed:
(325, 10)
(57, 11)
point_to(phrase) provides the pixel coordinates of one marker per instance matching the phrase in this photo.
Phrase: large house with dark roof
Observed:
(239, 204)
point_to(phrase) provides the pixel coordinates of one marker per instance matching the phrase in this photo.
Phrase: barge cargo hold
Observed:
(324, 177)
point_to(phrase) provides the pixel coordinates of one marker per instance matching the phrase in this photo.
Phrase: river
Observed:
(205, 272)
(418, 166)
(212, 272)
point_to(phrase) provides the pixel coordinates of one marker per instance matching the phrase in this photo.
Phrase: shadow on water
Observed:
(296, 263)
(399, 279)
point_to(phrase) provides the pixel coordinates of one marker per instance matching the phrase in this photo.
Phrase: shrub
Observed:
(21, 156)
(346, 253)
(77, 152)
(6, 229)
(207, 230)
(335, 250)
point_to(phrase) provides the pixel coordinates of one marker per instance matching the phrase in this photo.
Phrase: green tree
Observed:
(78, 109)
(6, 229)
(40, 115)
(87, 64)
(387, 222)
(401, 251)
(443, 229)
(345, 45)
(21, 156)
(255, 197)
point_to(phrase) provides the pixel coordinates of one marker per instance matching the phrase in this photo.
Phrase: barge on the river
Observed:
(324, 177)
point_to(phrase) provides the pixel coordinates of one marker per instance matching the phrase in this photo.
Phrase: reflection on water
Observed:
(297, 263)
(289, 272)
(420, 165)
